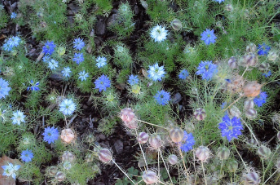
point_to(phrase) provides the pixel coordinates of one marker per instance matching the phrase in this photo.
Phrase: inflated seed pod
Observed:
(176, 24)
(249, 60)
(251, 48)
(68, 156)
(251, 178)
(150, 177)
(143, 137)
(223, 153)
(229, 7)
(129, 118)
(104, 155)
(67, 135)
(67, 165)
(272, 55)
(264, 152)
(199, 114)
(252, 89)
(203, 153)
(176, 134)
(172, 159)
(234, 112)
(52, 170)
(232, 62)
(264, 66)
(249, 104)
(251, 114)
(232, 166)
(60, 176)
(155, 141)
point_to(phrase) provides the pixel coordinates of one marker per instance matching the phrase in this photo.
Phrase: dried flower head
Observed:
(67, 135)
(252, 89)
(129, 118)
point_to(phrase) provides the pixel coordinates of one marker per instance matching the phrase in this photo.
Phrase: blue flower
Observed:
(183, 74)
(10, 170)
(162, 97)
(7, 47)
(133, 80)
(230, 128)
(208, 36)
(263, 49)
(102, 83)
(267, 74)
(50, 134)
(187, 142)
(67, 106)
(66, 72)
(78, 58)
(4, 88)
(33, 87)
(261, 99)
(224, 104)
(101, 61)
(219, 1)
(83, 75)
(46, 59)
(78, 44)
(26, 156)
(13, 15)
(52, 64)
(13, 41)
(49, 47)
(155, 72)
(207, 70)
(18, 117)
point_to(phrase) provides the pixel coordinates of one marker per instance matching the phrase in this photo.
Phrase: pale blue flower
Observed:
(18, 117)
(159, 33)
(67, 106)
(83, 75)
(208, 36)
(101, 61)
(4, 88)
(78, 44)
(66, 72)
(13, 15)
(26, 156)
(52, 64)
(10, 170)
(155, 72)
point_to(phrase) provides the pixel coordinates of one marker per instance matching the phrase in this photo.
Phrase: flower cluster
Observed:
(230, 128)
(162, 97)
(4, 88)
(155, 72)
(50, 134)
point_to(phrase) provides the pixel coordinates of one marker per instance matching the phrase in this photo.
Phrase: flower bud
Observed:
(142, 137)
(155, 141)
(67, 135)
(68, 156)
(61, 50)
(90, 138)
(128, 117)
(251, 178)
(51, 171)
(264, 67)
(251, 114)
(202, 153)
(232, 165)
(60, 176)
(150, 177)
(272, 55)
(172, 159)
(234, 112)
(264, 152)
(223, 153)
(176, 24)
(199, 114)
(135, 89)
(104, 155)
(176, 134)
(252, 89)
(232, 62)
(251, 48)
(189, 126)
(249, 104)
(89, 157)
(250, 59)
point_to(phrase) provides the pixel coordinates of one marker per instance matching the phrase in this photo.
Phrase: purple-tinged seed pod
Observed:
(143, 137)
(251, 178)
(251, 114)
(264, 152)
(176, 24)
(104, 155)
(223, 153)
(150, 177)
(249, 104)
(232, 62)
(272, 55)
(155, 141)
(52, 170)
(172, 159)
(68, 156)
(229, 7)
(264, 66)
(203, 153)
(250, 60)
(199, 114)
(251, 48)
(60, 176)
(234, 112)
(232, 166)
(176, 134)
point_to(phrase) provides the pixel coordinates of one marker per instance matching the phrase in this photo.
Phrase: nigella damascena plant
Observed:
(155, 141)
(223, 153)
(251, 178)
(68, 156)
(129, 118)
(172, 159)
(199, 114)
(67, 107)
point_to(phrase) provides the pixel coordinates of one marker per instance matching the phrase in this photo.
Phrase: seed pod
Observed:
(203, 153)
(234, 112)
(264, 66)
(176, 24)
(229, 7)
(67, 135)
(264, 152)
(272, 55)
(68, 156)
(150, 177)
(223, 153)
(89, 157)
(52, 170)
(232, 165)
(236, 84)
(128, 117)
(251, 178)
(176, 134)
(61, 50)
(172, 159)
(67, 165)
(142, 137)
(252, 89)
(104, 155)
(253, 143)
(251, 114)
(60, 176)
(251, 48)
(199, 114)
(90, 138)
(249, 60)
(232, 62)
(155, 141)
(189, 127)
(249, 104)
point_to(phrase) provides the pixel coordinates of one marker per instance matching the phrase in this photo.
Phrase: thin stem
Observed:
(165, 166)
(158, 166)
(263, 170)
(270, 176)
(142, 151)
(123, 171)
(240, 156)
(221, 168)
(151, 124)
(233, 102)
(250, 131)
(204, 173)
(180, 152)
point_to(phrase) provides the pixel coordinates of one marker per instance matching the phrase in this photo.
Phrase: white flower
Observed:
(155, 72)
(52, 64)
(67, 106)
(10, 170)
(83, 75)
(18, 117)
(101, 61)
(159, 33)
(66, 72)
